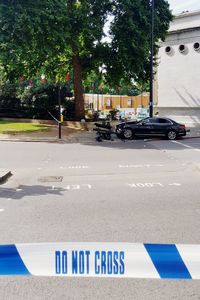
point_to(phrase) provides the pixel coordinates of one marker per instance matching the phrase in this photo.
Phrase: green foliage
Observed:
(96, 83)
(36, 100)
(8, 95)
(130, 46)
(31, 35)
(45, 36)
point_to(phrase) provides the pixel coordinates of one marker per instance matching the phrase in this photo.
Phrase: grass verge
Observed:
(7, 127)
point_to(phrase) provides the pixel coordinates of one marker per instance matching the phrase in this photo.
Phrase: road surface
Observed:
(141, 191)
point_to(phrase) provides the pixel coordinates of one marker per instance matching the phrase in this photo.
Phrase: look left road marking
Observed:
(73, 187)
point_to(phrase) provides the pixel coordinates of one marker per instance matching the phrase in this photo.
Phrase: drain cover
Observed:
(50, 179)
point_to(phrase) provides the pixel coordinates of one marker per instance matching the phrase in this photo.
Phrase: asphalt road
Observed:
(137, 191)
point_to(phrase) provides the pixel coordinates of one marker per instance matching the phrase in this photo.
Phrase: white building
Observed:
(177, 89)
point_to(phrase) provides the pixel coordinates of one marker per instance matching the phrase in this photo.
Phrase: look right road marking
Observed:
(152, 185)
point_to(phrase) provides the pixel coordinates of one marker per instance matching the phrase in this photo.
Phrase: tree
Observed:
(131, 42)
(53, 36)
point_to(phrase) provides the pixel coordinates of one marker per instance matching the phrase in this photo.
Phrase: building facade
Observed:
(177, 86)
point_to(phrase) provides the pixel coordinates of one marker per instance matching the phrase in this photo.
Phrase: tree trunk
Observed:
(78, 92)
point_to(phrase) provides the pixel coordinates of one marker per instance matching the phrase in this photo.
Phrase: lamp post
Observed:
(151, 59)
(60, 112)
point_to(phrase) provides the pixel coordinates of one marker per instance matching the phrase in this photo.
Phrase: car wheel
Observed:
(128, 133)
(107, 136)
(171, 135)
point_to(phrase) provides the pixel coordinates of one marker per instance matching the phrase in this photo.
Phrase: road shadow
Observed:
(26, 190)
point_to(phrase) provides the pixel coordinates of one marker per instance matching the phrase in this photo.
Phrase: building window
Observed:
(197, 46)
(168, 49)
(183, 49)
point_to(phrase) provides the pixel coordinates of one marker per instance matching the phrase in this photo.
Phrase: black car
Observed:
(151, 127)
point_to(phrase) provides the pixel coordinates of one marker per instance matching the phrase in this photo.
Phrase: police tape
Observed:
(120, 260)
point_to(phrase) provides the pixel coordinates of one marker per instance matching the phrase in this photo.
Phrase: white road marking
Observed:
(186, 146)
(2, 210)
(78, 167)
(151, 184)
(131, 166)
(141, 166)
(75, 167)
(19, 190)
(145, 185)
(88, 186)
(73, 187)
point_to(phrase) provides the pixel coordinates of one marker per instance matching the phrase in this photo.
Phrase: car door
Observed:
(144, 127)
(155, 128)
(164, 125)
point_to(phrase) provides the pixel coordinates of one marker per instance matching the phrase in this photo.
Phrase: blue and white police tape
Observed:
(102, 260)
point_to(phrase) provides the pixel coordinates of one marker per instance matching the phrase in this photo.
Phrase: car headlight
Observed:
(118, 129)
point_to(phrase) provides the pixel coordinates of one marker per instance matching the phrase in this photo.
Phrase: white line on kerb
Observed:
(186, 146)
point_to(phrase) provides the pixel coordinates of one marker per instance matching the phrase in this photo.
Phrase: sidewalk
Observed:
(69, 135)
(50, 135)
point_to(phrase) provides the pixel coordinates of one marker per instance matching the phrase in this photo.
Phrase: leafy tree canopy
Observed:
(55, 36)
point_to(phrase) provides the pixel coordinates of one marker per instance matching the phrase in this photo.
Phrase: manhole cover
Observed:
(50, 179)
